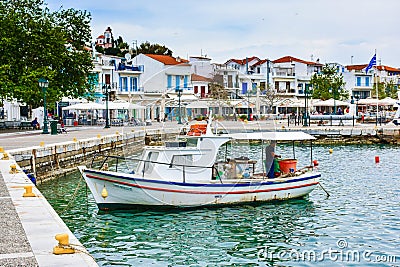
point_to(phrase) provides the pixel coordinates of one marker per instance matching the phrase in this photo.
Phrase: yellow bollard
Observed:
(13, 169)
(28, 191)
(41, 144)
(63, 246)
(5, 156)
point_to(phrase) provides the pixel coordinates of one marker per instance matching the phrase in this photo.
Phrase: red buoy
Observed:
(315, 162)
(376, 159)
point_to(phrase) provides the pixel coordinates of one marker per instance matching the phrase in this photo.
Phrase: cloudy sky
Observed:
(343, 31)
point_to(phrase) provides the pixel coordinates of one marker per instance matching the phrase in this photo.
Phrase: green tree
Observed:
(147, 48)
(328, 84)
(36, 43)
(391, 89)
(218, 92)
(271, 97)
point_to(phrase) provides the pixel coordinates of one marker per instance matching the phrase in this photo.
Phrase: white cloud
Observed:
(329, 30)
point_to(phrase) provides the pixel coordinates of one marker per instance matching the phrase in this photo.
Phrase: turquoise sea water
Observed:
(358, 225)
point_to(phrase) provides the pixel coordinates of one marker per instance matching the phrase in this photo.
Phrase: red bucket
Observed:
(288, 165)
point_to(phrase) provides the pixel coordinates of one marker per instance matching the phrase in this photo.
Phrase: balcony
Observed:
(133, 68)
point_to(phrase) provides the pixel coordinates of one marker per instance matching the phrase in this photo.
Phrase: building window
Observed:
(366, 81)
(195, 89)
(123, 81)
(358, 81)
(134, 84)
(177, 81)
(203, 91)
(244, 88)
(185, 81)
(169, 81)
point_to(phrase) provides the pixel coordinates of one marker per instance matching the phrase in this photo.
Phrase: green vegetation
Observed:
(328, 84)
(147, 48)
(36, 43)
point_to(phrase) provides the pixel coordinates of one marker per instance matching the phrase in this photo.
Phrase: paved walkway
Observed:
(28, 226)
(15, 249)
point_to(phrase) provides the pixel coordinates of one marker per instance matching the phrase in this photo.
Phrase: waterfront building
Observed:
(106, 39)
(166, 83)
(358, 82)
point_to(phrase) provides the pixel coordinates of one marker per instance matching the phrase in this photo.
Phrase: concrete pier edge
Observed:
(33, 244)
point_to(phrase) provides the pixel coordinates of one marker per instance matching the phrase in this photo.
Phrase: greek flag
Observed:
(372, 62)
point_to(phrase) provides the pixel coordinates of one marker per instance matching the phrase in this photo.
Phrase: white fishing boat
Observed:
(188, 173)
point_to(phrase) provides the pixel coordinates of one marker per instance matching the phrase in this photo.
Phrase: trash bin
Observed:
(53, 127)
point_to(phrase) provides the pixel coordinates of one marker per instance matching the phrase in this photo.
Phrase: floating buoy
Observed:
(315, 163)
(104, 193)
(1, 149)
(376, 159)
(330, 151)
(75, 140)
(98, 136)
(117, 133)
(41, 144)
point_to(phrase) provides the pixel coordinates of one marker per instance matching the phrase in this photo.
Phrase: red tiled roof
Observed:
(262, 61)
(101, 37)
(356, 67)
(387, 68)
(168, 60)
(199, 78)
(242, 61)
(287, 59)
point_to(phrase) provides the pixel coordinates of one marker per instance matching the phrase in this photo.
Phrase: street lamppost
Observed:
(305, 123)
(106, 88)
(357, 97)
(248, 106)
(44, 84)
(179, 91)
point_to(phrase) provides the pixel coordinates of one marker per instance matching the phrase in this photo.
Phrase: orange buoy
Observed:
(376, 159)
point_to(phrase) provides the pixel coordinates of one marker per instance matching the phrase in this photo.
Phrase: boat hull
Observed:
(118, 190)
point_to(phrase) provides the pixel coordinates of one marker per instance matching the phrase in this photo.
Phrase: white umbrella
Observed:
(330, 103)
(388, 101)
(197, 104)
(84, 106)
(120, 104)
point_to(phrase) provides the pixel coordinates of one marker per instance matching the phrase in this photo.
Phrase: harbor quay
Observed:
(30, 225)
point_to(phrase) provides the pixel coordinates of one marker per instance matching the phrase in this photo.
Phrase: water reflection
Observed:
(363, 210)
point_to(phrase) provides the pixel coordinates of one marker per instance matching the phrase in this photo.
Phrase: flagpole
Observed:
(377, 93)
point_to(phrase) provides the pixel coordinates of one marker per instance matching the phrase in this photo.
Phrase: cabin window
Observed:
(148, 166)
(186, 160)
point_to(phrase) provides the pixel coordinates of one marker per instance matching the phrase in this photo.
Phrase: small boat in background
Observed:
(186, 173)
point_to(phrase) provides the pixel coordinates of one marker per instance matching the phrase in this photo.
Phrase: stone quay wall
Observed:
(50, 161)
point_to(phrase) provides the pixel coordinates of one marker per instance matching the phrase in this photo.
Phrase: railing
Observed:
(214, 173)
(137, 68)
